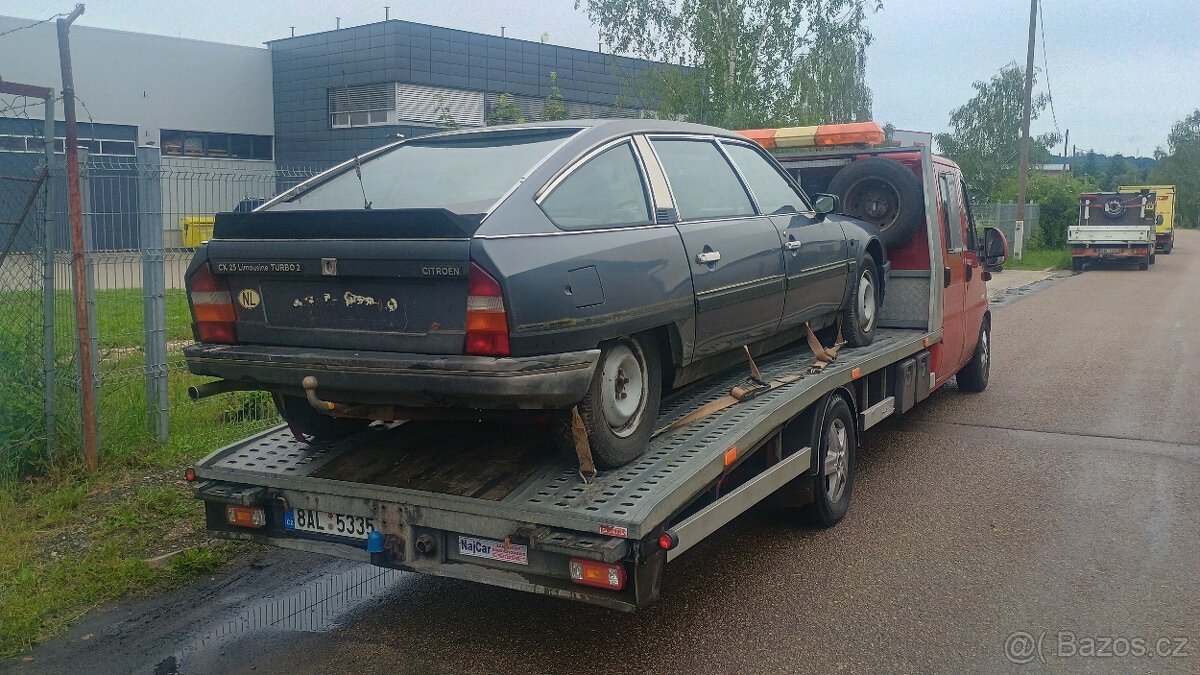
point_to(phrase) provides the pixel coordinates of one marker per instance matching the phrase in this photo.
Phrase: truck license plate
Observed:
(324, 522)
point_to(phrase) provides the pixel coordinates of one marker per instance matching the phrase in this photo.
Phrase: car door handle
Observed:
(708, 257)
(791, 245)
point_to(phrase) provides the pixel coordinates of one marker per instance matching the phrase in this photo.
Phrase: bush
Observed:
(1057, 197)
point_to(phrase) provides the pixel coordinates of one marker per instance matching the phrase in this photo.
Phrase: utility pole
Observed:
(1027, 105)
(83, 324)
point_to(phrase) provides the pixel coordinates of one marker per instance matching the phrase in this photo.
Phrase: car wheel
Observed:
(622, 401)
(302, 417)
(886, 194)
(1077, 264)
(837, 450)
(860, 317)
(1144, 263)
(974, 376)
(1152, 256)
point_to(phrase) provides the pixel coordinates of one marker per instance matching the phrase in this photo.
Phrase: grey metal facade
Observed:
(305, 68)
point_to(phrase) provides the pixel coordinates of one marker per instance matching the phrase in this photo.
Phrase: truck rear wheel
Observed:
(622, 402)
(974, 376)
(837, 454)
(1144, 263)
(1077, 264)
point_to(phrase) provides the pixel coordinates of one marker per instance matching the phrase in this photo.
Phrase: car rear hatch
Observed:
(393, 280)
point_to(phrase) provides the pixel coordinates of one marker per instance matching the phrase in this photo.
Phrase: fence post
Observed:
(154, 289)
(48, 287)
(89, 278)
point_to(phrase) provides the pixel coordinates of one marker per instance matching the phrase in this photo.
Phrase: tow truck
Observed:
(497, 504)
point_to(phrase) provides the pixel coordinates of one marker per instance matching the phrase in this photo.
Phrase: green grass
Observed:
(1040, 259)
(70, 540)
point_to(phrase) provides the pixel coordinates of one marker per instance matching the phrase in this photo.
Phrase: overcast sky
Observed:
(1120, 72)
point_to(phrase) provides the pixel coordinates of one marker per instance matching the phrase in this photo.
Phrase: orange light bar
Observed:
(825, 135)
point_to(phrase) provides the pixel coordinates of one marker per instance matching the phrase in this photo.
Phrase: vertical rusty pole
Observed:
(87, 391)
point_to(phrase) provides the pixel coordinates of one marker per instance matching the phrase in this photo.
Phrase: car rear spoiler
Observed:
(347, 224)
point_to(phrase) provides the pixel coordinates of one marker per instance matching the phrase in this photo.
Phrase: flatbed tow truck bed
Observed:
(426, 484)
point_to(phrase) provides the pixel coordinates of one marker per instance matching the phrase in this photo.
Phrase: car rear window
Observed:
(463, 174)
(606, 191)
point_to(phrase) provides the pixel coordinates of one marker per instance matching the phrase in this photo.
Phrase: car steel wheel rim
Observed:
(622, 389)
(985, 355)
(837, 471)
(866, 301)
(876, 202)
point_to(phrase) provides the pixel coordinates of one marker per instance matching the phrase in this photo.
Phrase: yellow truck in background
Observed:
(1164, 214)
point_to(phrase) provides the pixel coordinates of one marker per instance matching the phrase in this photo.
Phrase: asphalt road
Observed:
(1060, 505)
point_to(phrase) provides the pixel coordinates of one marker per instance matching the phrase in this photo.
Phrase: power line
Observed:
(35, 23)
(1046, 67)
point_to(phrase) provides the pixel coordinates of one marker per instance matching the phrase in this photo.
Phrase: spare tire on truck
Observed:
(882, 192)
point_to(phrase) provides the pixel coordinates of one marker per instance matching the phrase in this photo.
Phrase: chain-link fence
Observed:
(24, 426)
(1003, 215)
(145, 215)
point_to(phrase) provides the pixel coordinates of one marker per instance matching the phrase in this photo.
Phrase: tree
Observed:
(445, 117)
(1057, 197)
(985, 133)
(1181, 168)
(556, 107)
(505, 112)
(744, 63)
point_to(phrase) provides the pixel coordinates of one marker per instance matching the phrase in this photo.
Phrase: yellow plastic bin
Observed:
(196, 229)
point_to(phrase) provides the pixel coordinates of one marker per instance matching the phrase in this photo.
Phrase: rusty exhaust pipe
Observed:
(207, 389)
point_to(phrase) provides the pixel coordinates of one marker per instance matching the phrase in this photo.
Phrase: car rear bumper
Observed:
(417, 380)
(1110, 251)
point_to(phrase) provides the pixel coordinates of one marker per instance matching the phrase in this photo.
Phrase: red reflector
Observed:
(189, 475)
(245, 516)
(668, 541)
(224, 331)
(487, 323)
(598, 574)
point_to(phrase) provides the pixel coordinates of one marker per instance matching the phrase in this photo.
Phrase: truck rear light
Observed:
(598, 574)
(245, 516)
(487, 323)
(212, 307)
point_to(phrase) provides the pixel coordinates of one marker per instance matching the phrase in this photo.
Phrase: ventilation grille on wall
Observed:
(433, 105)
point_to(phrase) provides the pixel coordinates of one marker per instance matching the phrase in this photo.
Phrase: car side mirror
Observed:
(826, 204)
(995, 249)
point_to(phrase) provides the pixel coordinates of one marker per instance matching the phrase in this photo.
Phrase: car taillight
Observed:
(487, 324)
(212, 307)
(245, 516)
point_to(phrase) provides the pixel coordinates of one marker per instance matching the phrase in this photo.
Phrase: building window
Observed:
(223, 146)
(93, 146)
(366, 105)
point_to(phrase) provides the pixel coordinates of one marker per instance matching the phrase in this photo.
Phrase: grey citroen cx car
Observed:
(589, 263)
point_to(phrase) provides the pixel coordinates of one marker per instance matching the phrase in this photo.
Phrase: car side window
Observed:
(771, 190)
(702, 182)
(606, 191)
(951, 213)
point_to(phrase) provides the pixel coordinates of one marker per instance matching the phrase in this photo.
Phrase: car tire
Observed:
(1077, 264)
(886, 194)
(619, 427)
(302, 417)
(861, 315)
(974, 376)
(1152, 256)
(1144, 263)
(837, 454)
